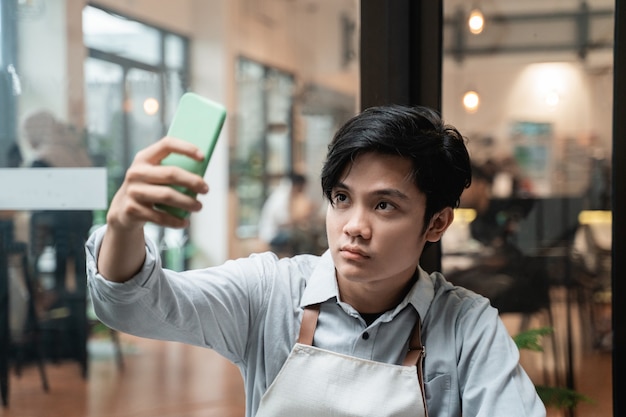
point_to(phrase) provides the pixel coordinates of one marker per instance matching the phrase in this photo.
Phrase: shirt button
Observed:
(365, 336)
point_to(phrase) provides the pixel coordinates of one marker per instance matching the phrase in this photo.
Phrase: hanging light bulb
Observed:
(471, 100)
(476, 21)
(151, 106)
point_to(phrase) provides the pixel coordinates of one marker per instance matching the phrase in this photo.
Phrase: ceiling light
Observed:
(471, 100)
(476, 21)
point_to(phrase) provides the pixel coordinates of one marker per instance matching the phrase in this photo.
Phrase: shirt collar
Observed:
(421, 295)
(322, 286)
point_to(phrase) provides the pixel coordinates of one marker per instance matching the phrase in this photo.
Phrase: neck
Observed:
(374, 297)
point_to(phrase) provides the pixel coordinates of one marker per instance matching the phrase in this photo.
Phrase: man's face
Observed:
(375, 224)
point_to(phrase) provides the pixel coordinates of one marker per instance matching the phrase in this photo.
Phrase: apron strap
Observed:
(416, 349)
(308, 325)
(415, 356)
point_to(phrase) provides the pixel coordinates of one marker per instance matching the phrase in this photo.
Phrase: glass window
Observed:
(531, 89)
(175, 52)
(115, 34)
(105, 121)
(143, 89)
(263, 154)
(130, 96)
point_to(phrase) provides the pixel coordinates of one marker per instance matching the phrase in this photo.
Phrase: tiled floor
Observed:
(173, 380)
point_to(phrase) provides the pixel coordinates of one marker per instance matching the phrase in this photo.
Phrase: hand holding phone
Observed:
(197, 120)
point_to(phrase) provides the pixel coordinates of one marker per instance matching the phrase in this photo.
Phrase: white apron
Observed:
(315, 382)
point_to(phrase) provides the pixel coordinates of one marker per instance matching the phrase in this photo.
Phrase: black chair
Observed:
(592, 264)
(24, 334)
(29, 344)
(514, 281)
(65, 326)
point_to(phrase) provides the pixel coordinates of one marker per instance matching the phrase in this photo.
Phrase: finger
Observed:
(156, 152)
(144, 213)
(148, 195)
(166, 175)
(136, 205)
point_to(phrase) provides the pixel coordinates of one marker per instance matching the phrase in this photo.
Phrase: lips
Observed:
(353, 252)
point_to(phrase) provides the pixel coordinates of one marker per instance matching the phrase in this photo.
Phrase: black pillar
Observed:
(401, 60)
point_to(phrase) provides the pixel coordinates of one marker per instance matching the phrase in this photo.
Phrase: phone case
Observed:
(197, 120)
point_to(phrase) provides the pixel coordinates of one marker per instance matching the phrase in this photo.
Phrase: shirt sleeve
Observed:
(213, 307)
(492, 382)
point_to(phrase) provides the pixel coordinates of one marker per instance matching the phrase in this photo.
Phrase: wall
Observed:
(302, 37)
(212, 76)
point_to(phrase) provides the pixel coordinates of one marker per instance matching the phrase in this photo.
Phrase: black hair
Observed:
(441, 162)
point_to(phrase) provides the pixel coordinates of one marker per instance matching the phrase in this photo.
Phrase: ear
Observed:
(439, 223)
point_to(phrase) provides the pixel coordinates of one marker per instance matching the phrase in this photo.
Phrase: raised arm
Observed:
(122, 252)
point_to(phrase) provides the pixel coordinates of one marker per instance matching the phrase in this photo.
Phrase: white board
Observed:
(53, 188)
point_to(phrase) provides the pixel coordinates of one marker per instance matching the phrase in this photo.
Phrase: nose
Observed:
(358, 224)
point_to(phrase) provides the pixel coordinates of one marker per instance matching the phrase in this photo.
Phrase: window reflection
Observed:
(540, 138)
(263, 154)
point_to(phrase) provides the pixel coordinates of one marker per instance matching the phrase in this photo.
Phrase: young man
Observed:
(340, 334)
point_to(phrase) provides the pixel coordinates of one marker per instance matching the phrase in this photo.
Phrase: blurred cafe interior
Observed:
(533, 85)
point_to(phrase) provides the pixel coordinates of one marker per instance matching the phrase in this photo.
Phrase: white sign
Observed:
(53, 188)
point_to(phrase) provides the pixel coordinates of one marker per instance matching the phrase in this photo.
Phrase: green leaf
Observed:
(560, 397)
(529, 339)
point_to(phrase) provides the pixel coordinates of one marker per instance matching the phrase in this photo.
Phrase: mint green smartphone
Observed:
(197, 120)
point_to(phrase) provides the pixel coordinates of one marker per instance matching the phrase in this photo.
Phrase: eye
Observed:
(385, 206)
(339, 198)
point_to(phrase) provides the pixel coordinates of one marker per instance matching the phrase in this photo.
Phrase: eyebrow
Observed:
(385, 192)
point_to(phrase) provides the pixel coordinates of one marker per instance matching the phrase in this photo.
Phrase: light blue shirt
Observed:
(249, 311)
